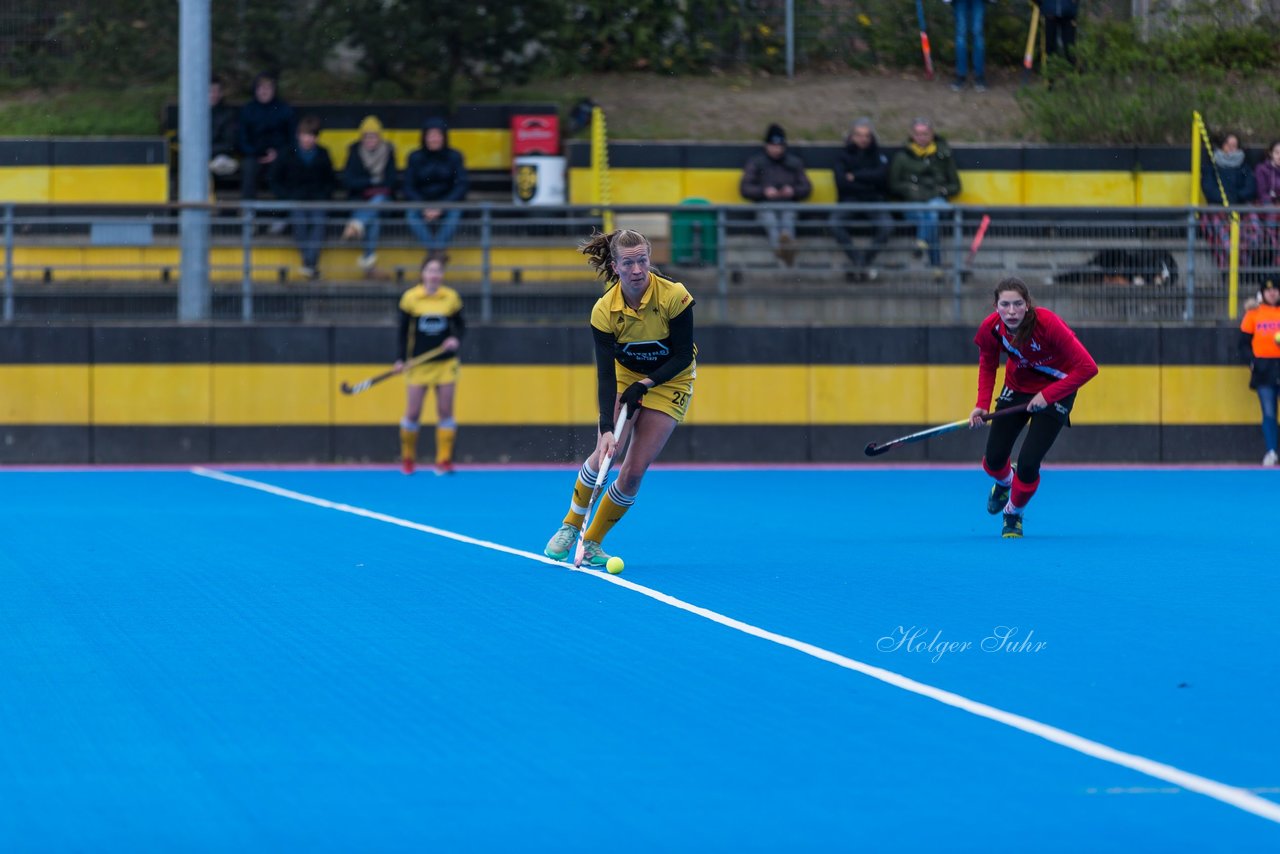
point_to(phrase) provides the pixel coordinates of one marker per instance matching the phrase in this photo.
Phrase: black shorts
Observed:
(1061, 410)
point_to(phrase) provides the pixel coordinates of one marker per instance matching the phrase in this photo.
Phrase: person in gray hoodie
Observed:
(434, 173)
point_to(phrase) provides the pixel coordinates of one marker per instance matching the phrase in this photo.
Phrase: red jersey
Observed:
(1051, 361)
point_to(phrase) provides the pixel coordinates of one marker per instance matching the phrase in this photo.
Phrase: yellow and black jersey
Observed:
(654, 340)
(642, 338)
(426, 320)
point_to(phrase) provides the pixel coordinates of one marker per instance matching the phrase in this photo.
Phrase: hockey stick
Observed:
(977, 238)
(1029, 55)
(596, 490)
(924, 41)
(365, 385)
(875, 450)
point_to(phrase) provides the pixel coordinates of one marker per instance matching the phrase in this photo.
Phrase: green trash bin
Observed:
(694, 239)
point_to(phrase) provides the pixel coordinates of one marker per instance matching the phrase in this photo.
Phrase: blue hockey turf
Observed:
(192, 662)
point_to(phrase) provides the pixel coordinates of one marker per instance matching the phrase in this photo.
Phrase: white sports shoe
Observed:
(1270, 459)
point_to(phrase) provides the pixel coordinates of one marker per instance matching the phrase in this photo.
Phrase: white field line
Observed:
(1237, 797)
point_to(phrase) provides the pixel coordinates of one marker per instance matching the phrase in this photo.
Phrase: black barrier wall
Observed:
(168, 394)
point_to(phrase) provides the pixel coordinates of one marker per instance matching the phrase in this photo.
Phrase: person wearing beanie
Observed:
(862, 178)
(370, 178)
(775, 176)
(435, 173)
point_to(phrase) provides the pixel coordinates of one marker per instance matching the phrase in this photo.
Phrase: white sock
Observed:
(1011, 510)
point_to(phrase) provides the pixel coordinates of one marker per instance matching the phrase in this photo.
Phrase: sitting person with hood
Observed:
(435, 173)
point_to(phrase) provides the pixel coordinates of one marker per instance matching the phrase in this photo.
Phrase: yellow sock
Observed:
(612, 507)
(408, 444)
(444, 444)
(581, 496)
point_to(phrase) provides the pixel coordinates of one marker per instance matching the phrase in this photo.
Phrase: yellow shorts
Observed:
(442, 372)
(672, 397)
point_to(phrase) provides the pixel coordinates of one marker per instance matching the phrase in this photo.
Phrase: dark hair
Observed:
(435, 255)
(602, 249)
(216, 80)
(1272, 147)
(309, 124)
(1028, 324)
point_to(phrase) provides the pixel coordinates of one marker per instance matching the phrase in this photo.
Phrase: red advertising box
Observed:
(537, 134)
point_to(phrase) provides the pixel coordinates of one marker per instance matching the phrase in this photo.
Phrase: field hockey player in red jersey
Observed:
(1046, 366)
(645, 358)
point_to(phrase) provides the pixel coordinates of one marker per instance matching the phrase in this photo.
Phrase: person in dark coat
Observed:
(434, 173)
(1059, 17)
(304, 173)
(223, 131)
(1227, 180)
(267, 127)
(776, 175)
(862, 178)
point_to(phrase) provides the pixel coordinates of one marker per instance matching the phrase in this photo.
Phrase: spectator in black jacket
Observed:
(267, 127)
(304, 173)
(370, 178)
(776, 175)
(222, 131)
(435, 173)
(862, 178)
(1227, 180)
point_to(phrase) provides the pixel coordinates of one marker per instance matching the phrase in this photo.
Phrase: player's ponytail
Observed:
(1028, 324)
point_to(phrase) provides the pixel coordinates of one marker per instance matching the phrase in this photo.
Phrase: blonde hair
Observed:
(602, 249)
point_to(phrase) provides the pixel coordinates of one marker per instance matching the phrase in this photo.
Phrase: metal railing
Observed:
(517, 263)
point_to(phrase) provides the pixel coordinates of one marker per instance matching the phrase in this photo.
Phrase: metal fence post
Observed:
(486, 263)
(1189, 274)
(8, 263)
(722, 264)
(957, 264)
(246, 265)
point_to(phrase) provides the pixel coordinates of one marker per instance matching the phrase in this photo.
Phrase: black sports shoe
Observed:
(998, 498)
(1012, 526)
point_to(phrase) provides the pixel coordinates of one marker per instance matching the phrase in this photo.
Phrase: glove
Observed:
(632, 395)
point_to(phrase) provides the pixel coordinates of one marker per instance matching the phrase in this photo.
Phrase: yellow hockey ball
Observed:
(615, 565)
(1277, 337)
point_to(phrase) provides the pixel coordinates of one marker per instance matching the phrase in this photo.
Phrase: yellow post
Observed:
(600, 165)
(1197, 124)
(1233, 268)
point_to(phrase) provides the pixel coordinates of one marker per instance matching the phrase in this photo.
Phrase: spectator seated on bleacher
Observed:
(370, 178)
(1227, 180)
(1267, 177)
(434, 173)
(267, 127)
(304, 173)
(223, 159)
(862, 178)
(776, 175)
(924, 171)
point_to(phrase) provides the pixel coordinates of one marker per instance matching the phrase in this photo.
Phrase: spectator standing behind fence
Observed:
(222, 132)
(924, 172)
(1059, 20)
(435, 173)
(862, 178)
(1267, 177)
(776, 175)
(267, 127)
(369, 177)
(970, 22)
(1227, 173)
(304, 173)
(1259, 348)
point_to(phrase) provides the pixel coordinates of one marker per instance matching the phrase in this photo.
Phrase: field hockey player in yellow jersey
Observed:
(643, 330)
(430, 318)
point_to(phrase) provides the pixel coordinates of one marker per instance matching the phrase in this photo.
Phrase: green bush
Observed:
(1125, 90)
